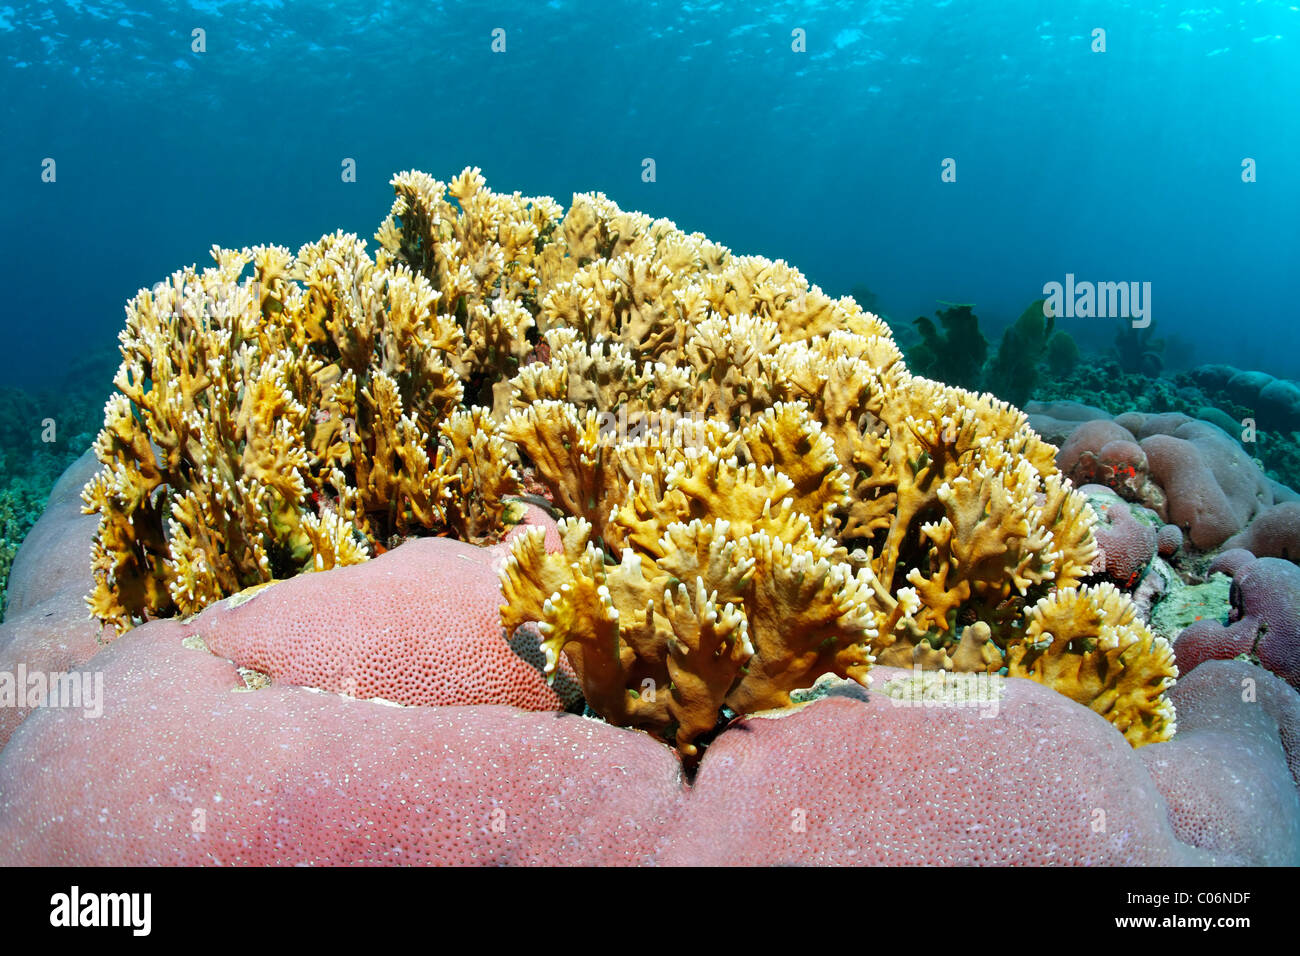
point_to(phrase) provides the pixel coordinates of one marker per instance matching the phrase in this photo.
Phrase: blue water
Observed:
(1115, 166)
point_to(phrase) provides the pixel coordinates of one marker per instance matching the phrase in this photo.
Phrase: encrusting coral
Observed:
(756, 491)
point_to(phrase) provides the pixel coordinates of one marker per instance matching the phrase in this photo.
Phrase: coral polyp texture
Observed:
(754, 490)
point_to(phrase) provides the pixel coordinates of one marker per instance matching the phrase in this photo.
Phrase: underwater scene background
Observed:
(1120, 166)
(1089, 210)
(1116, 166)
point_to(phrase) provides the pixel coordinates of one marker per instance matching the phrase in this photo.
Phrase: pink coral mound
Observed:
(185, 767)
(1196, 503)
(47, 629)
(1126, 544)
(1212, 486)
(1086, 442)
(1169, 540)
(1230, 562)
(1104, 453)
(1192, 473)
(1231, 773)
(1274, 534)
(1264, 622)
(418, 625)
(845, 781)
(200, 771)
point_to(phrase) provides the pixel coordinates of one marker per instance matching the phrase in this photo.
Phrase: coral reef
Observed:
(307, 777)
(756, 491)
(1218, 394)
(1274, 403)
(360, 527)
(1273, 534)
(1169, 540)
(282, 775)
(970, 792)
(1056, 420)
(1230, 561)
(1104, 453)
(1184, 604)
(416, 626)
(1190, 472)
(1264, 624)
(311, 778)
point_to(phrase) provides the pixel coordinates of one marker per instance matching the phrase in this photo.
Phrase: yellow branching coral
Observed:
(568, 446)
(283, 421)
(1089, 644)
(787, 439)
(722, 619)
(758, 491)
(946, 499)
(480, 252)
(480, 461)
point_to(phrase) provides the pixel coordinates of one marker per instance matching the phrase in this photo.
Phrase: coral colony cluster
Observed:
(827, 508)
(346, 508)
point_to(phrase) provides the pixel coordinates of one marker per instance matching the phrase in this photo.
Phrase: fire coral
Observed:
(756, 491)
